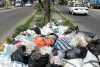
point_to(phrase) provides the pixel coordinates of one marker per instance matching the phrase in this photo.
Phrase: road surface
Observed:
(11, 18)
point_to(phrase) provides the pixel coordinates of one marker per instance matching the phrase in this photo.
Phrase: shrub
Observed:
(8, 40)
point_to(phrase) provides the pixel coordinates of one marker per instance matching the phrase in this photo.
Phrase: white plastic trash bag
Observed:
(82, 38)
(31, 46)
(60, 22)
(5, 61)
(18, 64)
(79, 39)
(9, 49)
(46, 30)
(47, 49)
(55, 29)
(1, 60)
(60, 29)
(89, 65)
(63, 29)
(50, 24)
(31, 32)
(99, 57)
(72, 62)
(20, 37)
(61, 54)
(87, 60)
(55, 60)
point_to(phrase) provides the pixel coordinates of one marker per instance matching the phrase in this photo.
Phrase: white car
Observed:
(78, 8)
(28, 4)
(18, 4)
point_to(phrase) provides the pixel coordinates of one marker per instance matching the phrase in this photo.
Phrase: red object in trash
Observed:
(41, 42)
(48, 42)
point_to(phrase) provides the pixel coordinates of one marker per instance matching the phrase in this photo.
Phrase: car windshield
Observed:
(79, 5)
(18, 2)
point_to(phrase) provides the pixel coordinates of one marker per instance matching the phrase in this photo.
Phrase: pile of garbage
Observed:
(52, 46)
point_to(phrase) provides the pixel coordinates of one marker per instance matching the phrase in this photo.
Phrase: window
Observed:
(71, 5)
(79, 5)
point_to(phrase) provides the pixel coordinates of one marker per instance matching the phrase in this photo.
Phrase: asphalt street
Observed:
(89, 23)
(11, 18)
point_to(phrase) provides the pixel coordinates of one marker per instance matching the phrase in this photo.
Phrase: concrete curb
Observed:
(3, 44)
(4, 8)
(65, 17)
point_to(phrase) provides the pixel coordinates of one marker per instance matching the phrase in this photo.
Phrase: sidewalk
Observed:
(4, 8)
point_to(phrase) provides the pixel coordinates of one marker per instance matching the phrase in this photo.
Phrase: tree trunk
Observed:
(47, 12)
(46, 8)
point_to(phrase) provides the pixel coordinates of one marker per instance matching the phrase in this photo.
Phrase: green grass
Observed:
(67, 22)
(54, 20)
(39, 19)
(40, 12)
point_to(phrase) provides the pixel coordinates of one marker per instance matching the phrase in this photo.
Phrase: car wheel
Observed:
(85, 14)
(92, 7)
(68, 11)
(72, 13)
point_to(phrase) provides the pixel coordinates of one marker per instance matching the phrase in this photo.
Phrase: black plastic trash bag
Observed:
(75, 52)
(36, 59)
(36, 28)
(76, 28)
(89, 34)
(72, 29)
(94, 47)
(53, 65)
(68, 31)
(39, 25)
(54, 52)
(19, 55)
(14, 42)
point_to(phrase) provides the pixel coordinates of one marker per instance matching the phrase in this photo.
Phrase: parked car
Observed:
(28, 4)
(78, 8)
(35, 1)
(18, 4)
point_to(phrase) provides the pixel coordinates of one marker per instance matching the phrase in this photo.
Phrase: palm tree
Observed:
(45, 4)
